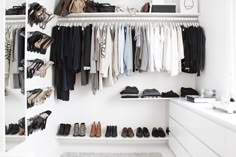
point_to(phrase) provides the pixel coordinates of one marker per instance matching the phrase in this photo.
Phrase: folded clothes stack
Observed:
(169, 94)
(188, 91)
(130, 92)
(153, 93)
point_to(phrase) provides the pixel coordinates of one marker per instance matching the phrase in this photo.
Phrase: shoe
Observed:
(93, 130)
(99, 130)
(61, 130)
(155, 133)
(67, 130)
(15, 129)
(124, 132)
(76, 130)
(139, 133)
(10, 128)
(167, 130)
(146, 132)
(114, 131)
(108, 131)
(82, 130)
(21, 132)
(161, 132)
(130, 132)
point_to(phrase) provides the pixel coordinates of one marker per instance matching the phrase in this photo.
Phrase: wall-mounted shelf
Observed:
(117, 140)
(15, 18)
(15, 138)
(93, 17)
(146, 99)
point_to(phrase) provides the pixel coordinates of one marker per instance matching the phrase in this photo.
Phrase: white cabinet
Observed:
(195, 147)
(199, 135)
(177, 147)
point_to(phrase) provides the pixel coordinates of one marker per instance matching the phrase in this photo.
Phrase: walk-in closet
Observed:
(105, 78)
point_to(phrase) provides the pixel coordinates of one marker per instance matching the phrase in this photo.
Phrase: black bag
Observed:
(106, 7)
(16, 10)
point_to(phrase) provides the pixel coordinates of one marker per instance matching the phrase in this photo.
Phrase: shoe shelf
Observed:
(110, 140)
(15, 138)
(15, 19)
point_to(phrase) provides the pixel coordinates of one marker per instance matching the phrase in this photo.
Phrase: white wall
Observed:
(213, 19)
(2, 47)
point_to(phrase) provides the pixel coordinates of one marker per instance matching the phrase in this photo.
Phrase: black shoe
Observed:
(67, 130)
(167, 130)
(108, 131)
(15, 129)
(146, 132)
(10, 128)
(114, 131)
(139, 133)
(161, 132)
(155, 133)
(61, 130)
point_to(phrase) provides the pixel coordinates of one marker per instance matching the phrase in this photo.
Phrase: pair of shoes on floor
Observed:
(96, 130)
(13, 129)
(158, 133)
(79, 130)
(127, 132)
(64, 130)
(111, 131)
(142, 132)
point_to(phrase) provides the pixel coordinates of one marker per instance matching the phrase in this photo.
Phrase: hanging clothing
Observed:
(14, 57)
(107, 52)
(194, 50)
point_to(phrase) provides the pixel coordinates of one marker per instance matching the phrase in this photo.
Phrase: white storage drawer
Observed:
(195, 147)
(208, 132)
(176, 147)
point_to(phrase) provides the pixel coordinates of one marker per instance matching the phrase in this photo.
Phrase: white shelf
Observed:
(145, 99)
(108, 17)
(15, 17)
(87, 15)
(15, 138)
(110, 140)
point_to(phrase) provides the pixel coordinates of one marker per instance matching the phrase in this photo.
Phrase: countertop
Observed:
(206, 110)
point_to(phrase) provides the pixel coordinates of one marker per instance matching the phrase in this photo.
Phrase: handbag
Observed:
(146, 8)
(91, 7)
(16, 10)
(106, 7)
(62, 8)
(77, 6)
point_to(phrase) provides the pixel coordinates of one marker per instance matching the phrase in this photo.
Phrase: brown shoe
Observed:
(93, 130)
(99, 130)
(130, 132)
(124, 132)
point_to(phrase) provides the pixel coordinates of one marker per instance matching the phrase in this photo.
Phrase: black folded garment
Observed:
(130, 90)
(129, 96)
(150, 93)
(169, 94)
(188, 91)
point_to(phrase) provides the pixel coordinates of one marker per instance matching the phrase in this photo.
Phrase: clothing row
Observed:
(38, 122)
(133, 92)
(14, 57)
(79, 130)
(38, 96)
(104, 53)
(38, 67)
(13, 129)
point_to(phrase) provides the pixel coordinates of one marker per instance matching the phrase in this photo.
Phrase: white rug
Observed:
(111, 155)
